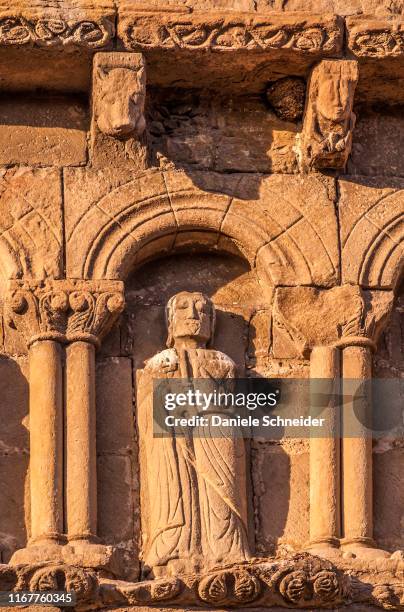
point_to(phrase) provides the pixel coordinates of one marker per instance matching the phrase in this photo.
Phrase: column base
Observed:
(38, 553)
(362, 548)
(326, 548)
(79, 554)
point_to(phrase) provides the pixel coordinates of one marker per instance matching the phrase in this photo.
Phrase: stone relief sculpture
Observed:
(119, 91)
(196, 485)
(329, 120)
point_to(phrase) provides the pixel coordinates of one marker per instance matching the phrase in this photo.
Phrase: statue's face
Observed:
(333, 97)
(122, 104)
(192, 316)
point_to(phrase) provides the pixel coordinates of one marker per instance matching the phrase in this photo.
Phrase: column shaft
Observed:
(81, 472)
(46, 441)
(325, 452)
(357, 448)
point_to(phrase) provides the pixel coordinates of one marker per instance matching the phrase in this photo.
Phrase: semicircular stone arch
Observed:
(372, 233)
(287, 231)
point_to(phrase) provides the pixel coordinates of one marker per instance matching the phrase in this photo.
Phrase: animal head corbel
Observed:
(119, 92)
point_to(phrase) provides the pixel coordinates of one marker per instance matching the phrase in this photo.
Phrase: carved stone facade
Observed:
(210, 190)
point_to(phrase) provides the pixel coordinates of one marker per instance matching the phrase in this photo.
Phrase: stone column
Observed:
(46, 441)
(357, 461)
(325, 453)
(357, 489)
(38, 311)
(49, 315)
(81, 472)
(94, 307)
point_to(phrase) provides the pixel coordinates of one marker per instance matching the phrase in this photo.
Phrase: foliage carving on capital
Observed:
(63, 310)
(93, 311)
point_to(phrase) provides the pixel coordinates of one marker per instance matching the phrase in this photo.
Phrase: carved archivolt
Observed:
(372, 233)
(287, 230)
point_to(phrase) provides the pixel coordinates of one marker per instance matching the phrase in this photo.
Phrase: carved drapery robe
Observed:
(195, 485)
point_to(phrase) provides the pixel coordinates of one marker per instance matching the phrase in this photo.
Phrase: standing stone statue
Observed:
(194, 493)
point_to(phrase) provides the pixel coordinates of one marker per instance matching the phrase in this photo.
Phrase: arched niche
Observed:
(285, 227)
(242, 331)
(243, 304)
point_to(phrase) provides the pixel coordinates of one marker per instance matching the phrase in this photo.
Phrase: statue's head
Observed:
(190, 315)
(121, 101)
(335, 92)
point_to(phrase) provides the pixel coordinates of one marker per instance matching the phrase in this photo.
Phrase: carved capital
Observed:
(38, 310)
(329, 120)
(63, 310)
(366, 318)
(94, 306)
(342, 316)
(119, 91)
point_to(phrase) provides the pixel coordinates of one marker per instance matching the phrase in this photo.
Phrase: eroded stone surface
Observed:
(31, 223)
(167, 177)
(329, 120)
(371, 213)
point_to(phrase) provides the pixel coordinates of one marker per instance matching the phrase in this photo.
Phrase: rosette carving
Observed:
(301, 587)
(326, 586)
(295, 587)
(229, 587)
(83, 582)
(153, 591)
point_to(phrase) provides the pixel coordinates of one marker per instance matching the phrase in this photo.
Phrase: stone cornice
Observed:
(78, 23)
(368, 37)
(63, 310)
(222, 32)
(90, 24)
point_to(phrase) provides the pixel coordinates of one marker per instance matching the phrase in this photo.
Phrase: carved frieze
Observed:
(63, 310)
(375, 38)
(299, 582)
(85, 24)
(329, 118)
(232, 31)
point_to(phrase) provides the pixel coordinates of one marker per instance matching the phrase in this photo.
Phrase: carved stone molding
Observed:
(342, 316)
(63, 310)
(79, 24)
(285, 226)
(43, 578)
(372, 231)
(301, 582)
(119, 91)
(375, 38)
(313, 35)
(329, 119)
